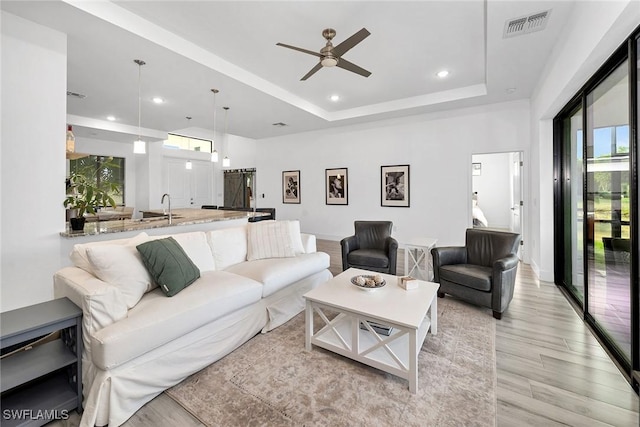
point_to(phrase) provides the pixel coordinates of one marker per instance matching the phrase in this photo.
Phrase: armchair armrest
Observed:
(447, 255)
(504, 281)
(506, 263)
(391, 246)
(348, 244)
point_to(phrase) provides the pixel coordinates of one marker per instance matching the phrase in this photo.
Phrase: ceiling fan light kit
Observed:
(331, 56)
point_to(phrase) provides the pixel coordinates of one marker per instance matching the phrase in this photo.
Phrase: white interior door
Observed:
(189, 188)
(177, 183)
(201, 184)
(517, 202)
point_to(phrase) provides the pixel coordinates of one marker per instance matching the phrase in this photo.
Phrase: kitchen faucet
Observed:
(162, 202)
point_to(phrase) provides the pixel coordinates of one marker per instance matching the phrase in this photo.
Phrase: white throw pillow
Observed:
(197, 248)
(229, 246)
(122, 267)
(79, 257)
(269, 239)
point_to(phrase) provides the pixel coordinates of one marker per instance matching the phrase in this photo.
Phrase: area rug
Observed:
(272, 381)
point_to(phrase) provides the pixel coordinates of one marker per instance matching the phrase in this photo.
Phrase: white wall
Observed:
(33, 96)
(493, 188)
(597, 29)
(438, 148)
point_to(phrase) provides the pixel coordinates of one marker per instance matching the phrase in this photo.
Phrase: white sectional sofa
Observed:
(139, 342)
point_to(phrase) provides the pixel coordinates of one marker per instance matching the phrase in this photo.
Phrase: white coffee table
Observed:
(411, 314)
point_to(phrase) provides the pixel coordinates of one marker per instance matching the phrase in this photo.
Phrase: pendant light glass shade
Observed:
(189, 165)
(71, 140)
(139, 146)
(214, 153)
(226, 162)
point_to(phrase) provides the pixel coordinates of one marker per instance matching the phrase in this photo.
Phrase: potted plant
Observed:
(84, 195)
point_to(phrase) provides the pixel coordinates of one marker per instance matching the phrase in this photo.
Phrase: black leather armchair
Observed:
(482, 272)
(371, 247)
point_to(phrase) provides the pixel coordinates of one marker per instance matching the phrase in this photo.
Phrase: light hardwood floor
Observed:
(551, 370)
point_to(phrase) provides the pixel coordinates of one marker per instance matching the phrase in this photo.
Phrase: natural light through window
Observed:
(179, 142)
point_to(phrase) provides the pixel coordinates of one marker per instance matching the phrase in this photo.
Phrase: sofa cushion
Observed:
(156, 320)
(168, 265)
(122, 267)
(296, 237)
(277, 273)
(269, 239)
(228, 245)
(472, 276)
(369, 257)
(196, 246)
(79, 256)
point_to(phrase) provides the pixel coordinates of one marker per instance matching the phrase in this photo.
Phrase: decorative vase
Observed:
(77, 224)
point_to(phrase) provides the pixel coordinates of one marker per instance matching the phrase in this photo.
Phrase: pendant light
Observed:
(139, 146)
(214, 153)
(71, 141)
(189, 165)
(226, 162)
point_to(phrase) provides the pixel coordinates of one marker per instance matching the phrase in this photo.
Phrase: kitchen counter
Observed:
(156, 219)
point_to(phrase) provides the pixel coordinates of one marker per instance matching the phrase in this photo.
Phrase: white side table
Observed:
(417, 258)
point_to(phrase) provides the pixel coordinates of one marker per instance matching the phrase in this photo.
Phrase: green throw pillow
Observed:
(168, 265)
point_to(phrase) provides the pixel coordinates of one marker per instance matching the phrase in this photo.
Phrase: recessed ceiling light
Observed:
(442, 74)
(335, 98)
(111, 118)
(510, 90)
(158, 100)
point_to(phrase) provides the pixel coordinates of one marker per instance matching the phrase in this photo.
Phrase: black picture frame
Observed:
(395, 186)
(337, 186)
(291, 187)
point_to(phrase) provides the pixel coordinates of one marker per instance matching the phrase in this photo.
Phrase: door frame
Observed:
(523, 253)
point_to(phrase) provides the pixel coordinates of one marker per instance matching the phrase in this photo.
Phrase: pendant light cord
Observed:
(140, 63)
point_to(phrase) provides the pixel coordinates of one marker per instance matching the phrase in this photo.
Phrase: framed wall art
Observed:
(394, 186)
(291, 186)
(337, 186)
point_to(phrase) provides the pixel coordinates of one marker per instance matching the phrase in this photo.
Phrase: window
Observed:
(179, 142)
(102, 171)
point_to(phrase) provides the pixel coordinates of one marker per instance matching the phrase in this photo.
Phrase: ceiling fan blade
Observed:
(299, 49)
(350, 66)
(343, 47)
(312, 72)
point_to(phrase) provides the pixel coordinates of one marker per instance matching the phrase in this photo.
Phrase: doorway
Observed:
(239, 188)
(497, 187)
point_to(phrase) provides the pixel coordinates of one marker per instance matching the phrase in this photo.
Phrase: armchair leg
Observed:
(497, 315)
(440, 294)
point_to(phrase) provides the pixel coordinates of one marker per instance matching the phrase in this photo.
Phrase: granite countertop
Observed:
(179, 217)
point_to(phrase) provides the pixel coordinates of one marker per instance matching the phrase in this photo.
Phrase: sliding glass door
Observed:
(574, 208)
(596, 203)
(608, 203)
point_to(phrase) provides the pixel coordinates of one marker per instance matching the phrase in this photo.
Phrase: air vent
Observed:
(76, 95)
(526, 24)
(280, 124)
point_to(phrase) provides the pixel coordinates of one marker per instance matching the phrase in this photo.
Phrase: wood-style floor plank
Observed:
(551, 370)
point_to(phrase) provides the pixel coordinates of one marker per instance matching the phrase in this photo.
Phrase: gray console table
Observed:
(42, 382)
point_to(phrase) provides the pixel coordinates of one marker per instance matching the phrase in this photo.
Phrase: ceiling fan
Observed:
(331, 56)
